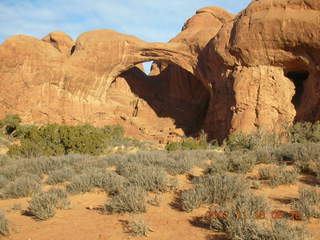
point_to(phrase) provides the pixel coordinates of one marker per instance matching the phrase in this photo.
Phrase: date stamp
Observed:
(258, 214)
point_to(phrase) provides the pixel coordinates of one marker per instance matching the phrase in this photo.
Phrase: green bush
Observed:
(278, 175)
(43, 206)
(187, 144)
(54, 139)
(4, 225)
(24, 186)
(130, 200)
(10, 123)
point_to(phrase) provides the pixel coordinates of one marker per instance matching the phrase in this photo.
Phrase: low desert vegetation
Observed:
(137, 227)
(278, 175)
(130, 200)
(5, 228)
(308, 203)
(24, 186)
(213, 189)
(44, 205)
(54, 139)
(67, 160)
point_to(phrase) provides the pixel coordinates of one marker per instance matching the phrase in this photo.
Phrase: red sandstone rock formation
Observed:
(258, 69)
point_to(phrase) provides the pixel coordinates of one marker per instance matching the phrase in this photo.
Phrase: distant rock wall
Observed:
(259, 69)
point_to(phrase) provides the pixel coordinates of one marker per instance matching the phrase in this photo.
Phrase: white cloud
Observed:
(148, 19)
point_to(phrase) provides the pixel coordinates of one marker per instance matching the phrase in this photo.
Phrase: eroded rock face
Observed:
(222, 73)
(263, 67)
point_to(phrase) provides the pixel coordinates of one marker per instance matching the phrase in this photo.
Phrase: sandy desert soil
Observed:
(85, 220)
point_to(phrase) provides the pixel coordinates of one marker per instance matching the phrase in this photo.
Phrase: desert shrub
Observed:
(80, 184)
(187, 144)
(53, 139)
(235, 161)
(12, 171)
(278, 175)
(298, 153)
(265, 154)
(4, 225)
(109, 181)
(24, 186)
(307, 204)
(240, 162)
(138, 227)
(60, 176)
(303, 132)
(282, 229)
(177, 162)
(41, 165)
(130, 200)
(4, 160)
(244, 208)
(43, 206)
(239, 141)
(242, 228)
(213, 189)
(249, 205)
(147, 177)
(3, 181)
(114, 131)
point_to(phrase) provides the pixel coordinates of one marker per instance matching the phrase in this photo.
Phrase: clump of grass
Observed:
(130, 200)
(307, 204)
(138, 227)
(60, 176)
(24, 186)
(213, 189)
(278, 175)
(5, 229)
(43, 206)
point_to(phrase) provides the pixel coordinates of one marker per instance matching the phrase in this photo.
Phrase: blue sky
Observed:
(150, 20)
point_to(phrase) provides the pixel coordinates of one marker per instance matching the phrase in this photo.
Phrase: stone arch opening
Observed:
(298, 77)
(171, 92)
(147, 67)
